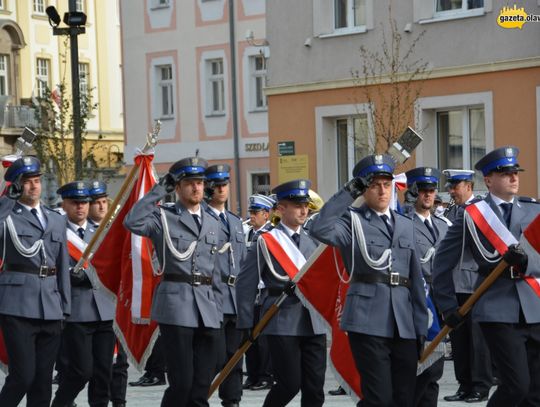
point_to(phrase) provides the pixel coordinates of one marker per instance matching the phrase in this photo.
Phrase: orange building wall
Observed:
(292, 116)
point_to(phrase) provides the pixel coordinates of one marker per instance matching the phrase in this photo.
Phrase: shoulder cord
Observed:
(228, 246)
(358, 232)
(429, 254)
(266, 254)
(490, 257)
(168, 243)
(23, 251)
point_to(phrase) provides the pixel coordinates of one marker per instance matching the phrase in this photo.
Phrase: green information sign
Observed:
(285, 148)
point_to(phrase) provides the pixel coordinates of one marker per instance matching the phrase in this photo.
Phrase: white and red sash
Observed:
(284, 251)
(498, 234)
(76, 246)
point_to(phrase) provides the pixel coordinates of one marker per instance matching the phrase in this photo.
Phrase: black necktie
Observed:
(431, 229)
(506, 212)
(387, 223)
(250, 235)
(80, 231)
(296, 238)
(224, 220)
(34, 212)
(197, 220)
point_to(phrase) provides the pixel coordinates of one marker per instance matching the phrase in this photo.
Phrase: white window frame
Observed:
(165, 86)
(4, 74)
(257, 75)
(38, 6)
(211, 80)
(157, 4)
(426, 113)
(351, 24)
(84, 79)
(326, 143)
(43, 69)
(324, 21)
(425, 11)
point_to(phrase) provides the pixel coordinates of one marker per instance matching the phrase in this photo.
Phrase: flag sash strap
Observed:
(284, 251)
(491, 226)
(76, 246)
(497, 234)
(533, 282)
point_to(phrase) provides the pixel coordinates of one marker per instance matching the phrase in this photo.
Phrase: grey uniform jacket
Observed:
(424, 241)
(292, 318)
(178, 303)
(375, 309)
(89, 304)
(229, 268)
(504, 299)
(466, 271)
(28, 295)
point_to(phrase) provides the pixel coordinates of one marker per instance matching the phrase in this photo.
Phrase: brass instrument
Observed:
(315, 202)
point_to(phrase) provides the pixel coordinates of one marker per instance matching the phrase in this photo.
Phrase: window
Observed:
(260, 183)
(84, 79)
(258, 81)
(39, 6)
(79, 6)
(4, 75)
(461, 138)
(353, 143)
(215, 87)
(457, 5)
(2, 4)
(42, 76)
(165, 90)
(160, 3)
(349, 13)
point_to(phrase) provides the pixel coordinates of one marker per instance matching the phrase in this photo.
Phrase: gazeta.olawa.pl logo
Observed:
(515, 17)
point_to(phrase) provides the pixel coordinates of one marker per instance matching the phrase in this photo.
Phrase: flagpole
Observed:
(466, 307)
(119, 200)
(263, 322)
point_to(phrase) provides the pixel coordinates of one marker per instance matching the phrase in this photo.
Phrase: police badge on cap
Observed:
(297, 191)
(77, 190)
(25, 166)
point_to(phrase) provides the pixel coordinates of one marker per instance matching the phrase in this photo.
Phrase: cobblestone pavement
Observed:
(151, 396)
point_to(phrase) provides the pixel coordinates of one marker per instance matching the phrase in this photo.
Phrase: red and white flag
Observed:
(500, 237)
(124, 266)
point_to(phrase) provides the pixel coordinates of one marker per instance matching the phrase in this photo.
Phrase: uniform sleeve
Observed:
(330, 227)
(447, 257)
(63, 277)
(246, 288)
(144, 218)
(418, 295)
(6, 206)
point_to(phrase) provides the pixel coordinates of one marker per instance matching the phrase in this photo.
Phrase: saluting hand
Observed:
(357, 186)
(168, 181)
(15, 189)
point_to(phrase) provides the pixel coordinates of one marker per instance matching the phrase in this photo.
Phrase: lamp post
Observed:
(75, 21)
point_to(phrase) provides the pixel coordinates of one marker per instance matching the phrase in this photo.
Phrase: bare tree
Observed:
(390, 80)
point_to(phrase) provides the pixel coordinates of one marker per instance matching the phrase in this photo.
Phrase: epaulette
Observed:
(476, 199)
(527, 199)
(51, 210)
(235, 215)
(402, 214)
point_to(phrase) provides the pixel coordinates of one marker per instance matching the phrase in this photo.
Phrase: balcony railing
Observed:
(17, 117)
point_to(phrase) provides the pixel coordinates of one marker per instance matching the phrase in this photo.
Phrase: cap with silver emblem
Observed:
(424, 177)
(297, 190)
(27, 166)
(98, 189)
(76, 190)
(191, 167)
(503, 159)
(219, 174)
(259, 202)
(377, 164)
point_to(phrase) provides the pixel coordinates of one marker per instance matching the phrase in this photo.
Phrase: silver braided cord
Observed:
(266, 254)
(491, 257)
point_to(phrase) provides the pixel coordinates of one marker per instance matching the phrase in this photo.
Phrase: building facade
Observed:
(33, 60)
(199, 67)
(483, 88)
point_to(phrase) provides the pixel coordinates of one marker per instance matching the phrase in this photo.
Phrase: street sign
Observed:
(285, 148)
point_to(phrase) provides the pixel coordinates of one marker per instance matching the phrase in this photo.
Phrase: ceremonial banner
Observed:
(123, 263)
(322, 289)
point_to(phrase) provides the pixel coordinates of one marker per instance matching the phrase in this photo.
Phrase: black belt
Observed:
(275, 292)
(230, 280)
(192, 279)
(43, 271)
(393, 279)
(510, 273)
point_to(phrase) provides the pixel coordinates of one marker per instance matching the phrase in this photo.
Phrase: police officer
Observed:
(187, 301)
(259, 375)
(296, 338)
(385, 312)
(508, 310)
(34, 286)
(99, 202)
(429, 231)
(472, 362)
(88, 337)
(231, 252)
